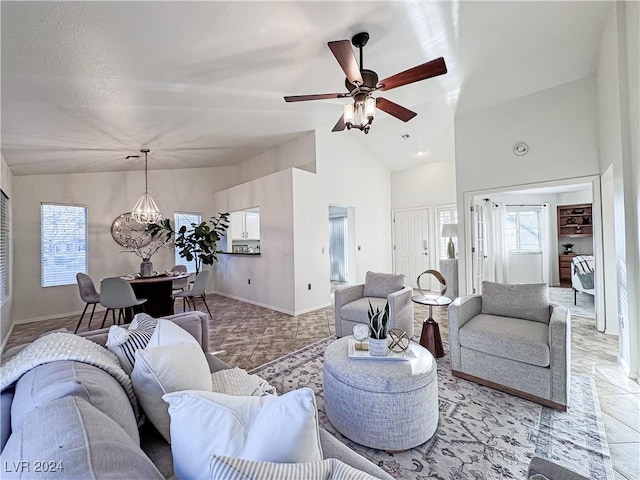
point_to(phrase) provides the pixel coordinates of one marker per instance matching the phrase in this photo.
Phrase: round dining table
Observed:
(157, 290)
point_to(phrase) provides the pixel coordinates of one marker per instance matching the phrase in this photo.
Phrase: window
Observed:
(4, 247)
(63, 243)
(186, 219)
(523, 229)
(445, 214)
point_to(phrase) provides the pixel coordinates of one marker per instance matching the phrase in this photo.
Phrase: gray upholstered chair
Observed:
(88, 295)
(351, 304)
(117, 294)
(198, 290)
(512, 339)
(181, 283)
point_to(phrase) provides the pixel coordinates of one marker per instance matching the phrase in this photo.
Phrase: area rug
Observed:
(482, 433)
(564, 296)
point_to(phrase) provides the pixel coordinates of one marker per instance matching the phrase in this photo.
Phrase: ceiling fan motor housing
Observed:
(370, 80)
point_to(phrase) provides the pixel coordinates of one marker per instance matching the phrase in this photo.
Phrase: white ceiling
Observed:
(201, 83)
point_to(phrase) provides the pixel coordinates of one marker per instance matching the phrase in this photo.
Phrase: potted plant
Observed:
(567, 248)
(378, 325)
(198, 243)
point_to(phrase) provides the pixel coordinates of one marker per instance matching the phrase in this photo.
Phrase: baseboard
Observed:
(271, 307)
(6, 338)
(511, 391)
(58, 315)
(627, 369)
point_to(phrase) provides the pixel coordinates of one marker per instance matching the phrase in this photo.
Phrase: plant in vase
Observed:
(198, 243)
(378, 326)
(568, 247)
(145, 246)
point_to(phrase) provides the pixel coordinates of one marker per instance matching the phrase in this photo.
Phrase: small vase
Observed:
(378, 347)
(146, 268)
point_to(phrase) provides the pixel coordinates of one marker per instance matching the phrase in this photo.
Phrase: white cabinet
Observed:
(245, 226)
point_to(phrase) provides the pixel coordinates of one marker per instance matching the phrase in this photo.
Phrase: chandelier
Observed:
(145, 210)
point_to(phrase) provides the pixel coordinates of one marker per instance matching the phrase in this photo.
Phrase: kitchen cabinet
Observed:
(245, 226)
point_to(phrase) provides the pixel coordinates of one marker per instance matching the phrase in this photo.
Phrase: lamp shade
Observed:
(449, 230)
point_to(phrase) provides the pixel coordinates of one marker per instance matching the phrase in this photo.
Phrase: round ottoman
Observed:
(382, 404)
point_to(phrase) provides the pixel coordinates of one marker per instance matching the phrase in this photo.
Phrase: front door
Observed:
(411, 243)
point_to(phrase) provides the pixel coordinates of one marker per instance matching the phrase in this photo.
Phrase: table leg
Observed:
(430, 337)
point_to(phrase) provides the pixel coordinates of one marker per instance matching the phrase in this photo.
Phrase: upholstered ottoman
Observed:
(383, 404)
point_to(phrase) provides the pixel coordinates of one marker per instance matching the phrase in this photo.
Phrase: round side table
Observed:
(430, 337)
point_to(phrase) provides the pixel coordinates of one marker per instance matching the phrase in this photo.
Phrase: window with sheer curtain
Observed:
(63, 243)
(186, 219)
(523, 229)
(4, 247)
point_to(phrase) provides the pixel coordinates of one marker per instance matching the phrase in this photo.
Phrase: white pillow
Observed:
(124, 342)
(165, 369)
(227, 468)
(270, 429)
(168, 333)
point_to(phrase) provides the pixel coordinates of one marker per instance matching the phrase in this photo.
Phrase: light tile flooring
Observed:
(248, 336)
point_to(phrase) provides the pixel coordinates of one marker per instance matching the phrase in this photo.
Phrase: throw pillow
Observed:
(143, 320)
(236, 381)
(168, 333)
(526, 301)
(165, 369)
(244, 427)
(124, 342)
(227, 468)
(382, 284)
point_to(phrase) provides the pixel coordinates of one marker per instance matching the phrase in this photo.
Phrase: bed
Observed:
(582, 276)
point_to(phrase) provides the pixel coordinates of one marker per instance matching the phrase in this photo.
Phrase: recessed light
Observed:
(405, 136)
(422, 153)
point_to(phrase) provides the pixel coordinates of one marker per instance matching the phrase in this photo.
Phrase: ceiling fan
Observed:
(361, 83)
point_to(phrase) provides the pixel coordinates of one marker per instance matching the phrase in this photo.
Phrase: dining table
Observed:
(157, 290)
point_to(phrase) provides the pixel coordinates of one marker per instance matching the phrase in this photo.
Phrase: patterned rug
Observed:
(482, 434)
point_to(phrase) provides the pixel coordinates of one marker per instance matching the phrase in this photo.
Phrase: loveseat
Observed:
(512, 339)
(71, 420)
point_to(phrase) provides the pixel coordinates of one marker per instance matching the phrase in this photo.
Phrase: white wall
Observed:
(558, 124)
(346, 175)
(271, 273)
(609, 251)
(106, 195)
(6, 183)
(619, 140)
(425, 186)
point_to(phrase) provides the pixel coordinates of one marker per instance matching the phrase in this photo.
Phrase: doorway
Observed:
(341, 246)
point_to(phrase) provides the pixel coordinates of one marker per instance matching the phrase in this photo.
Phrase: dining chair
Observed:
(181, 283)
(198, 290)
(88, 295)
(116, 293)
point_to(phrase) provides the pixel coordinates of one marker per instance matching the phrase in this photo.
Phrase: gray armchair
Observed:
(512, 339)
(352, 302)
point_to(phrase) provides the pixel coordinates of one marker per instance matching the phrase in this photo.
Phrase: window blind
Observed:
(186, 219)
(447, 214)
(4, 247)
(63, 243)
(523, 230)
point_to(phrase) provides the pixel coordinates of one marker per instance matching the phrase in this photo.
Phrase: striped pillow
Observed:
(124, 342)
(227, 468)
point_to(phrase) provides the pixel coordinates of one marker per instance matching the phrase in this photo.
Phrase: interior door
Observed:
(479, 245)
(411, 243)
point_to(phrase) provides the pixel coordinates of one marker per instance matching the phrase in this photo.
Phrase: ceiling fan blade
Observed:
(421, 72)
(394, 109)
(340, 126)
(344, 54)
(321, 96)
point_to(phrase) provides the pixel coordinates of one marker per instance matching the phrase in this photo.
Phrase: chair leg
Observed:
(184, 304)
(93, 310)
(575, 296)
(81, 317)
(113, 315)
(104, 319)
(204, 299)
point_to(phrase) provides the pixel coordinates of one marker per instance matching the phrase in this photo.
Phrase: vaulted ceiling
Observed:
(202, 83)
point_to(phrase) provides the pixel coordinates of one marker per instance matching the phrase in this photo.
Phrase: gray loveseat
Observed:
(74, 421)
(512, 339)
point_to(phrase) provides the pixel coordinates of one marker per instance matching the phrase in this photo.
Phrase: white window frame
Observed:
(49, 275)
(191, 266)
(528, 209)
(5, 245)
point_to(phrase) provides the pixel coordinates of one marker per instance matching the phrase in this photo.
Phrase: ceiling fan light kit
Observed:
(361, 83)
(145, 210)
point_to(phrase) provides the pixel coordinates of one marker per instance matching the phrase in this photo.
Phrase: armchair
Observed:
(510, 338)
(352, 303)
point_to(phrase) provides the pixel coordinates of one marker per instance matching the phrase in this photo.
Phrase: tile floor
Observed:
(248, 336)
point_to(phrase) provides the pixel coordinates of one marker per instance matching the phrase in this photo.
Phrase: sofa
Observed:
(71, 420)
(351, 303)
(512, 339)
